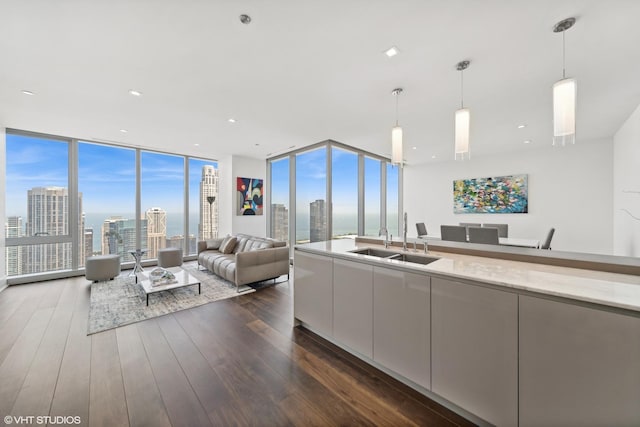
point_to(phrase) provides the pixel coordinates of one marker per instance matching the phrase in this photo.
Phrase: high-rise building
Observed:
(14, 262)
(88, 243)
(48, 215)
(119, 236)
(156, 231)
(208, 228)
(317, 221)
(279, 221)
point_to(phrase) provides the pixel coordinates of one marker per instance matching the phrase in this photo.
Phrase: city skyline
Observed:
(107, 189)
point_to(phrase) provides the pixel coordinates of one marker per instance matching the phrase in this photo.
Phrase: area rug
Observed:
(121, 301)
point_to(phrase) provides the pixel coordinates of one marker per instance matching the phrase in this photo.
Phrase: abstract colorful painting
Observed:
(250, 195)
(500, 194)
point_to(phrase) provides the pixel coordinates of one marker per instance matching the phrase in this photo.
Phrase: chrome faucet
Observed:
(425, 246)
(404, 239)
(384, 231)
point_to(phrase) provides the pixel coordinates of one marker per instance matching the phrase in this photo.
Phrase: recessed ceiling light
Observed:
(522, 126)
(135, 92)
(124, 130)
(27, 92)
(231, 120)
(528, 141)
(414, 148)
(433, 157)
(392, 51)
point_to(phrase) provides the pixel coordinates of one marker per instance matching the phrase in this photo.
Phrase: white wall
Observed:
(248, 168)
(569, 189)
(3, 174)
(626, 187)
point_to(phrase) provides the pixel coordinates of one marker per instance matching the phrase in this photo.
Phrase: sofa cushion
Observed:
(258, 244)
(228, 246)
(242, 242)
(214, 243)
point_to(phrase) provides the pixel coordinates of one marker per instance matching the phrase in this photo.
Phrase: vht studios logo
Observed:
(42, 419)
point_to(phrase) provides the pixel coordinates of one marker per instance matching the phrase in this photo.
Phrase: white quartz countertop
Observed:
(610, 289)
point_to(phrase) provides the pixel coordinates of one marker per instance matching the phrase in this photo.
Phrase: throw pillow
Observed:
(227, 246)
(214, 243)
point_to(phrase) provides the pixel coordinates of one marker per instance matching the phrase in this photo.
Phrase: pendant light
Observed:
(564, 97)
(396, 135)
(462, 120)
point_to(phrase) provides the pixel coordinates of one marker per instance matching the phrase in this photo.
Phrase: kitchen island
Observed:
(502, 342)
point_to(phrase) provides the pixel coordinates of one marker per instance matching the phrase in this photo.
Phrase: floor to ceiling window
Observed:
(107, 182)
(38, 224)
(344, 192)
(162, 202)
(67, 200)
(372, 185)
(393, 218)
(279, 214)
(203, 201)
(311, 194)
(362, 196)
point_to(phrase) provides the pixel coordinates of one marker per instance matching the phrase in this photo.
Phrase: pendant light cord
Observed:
(461, 88)
(397, 96)
(563, 55)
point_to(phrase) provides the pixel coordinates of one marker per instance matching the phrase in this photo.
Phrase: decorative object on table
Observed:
(500, 194)
(160, 276)
(122, 301)
(250, 195)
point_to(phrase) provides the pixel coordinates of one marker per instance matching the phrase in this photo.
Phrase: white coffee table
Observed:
(182, 279)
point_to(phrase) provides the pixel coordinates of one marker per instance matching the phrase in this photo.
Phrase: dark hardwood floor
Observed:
(237, 362)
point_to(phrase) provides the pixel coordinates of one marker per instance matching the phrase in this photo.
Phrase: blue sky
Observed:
(106, 176)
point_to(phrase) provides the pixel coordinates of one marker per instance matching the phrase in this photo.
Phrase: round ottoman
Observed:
(170, 257)
(102, 267)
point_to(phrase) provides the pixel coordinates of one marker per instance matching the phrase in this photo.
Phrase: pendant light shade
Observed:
(396, 145)
(396, 135)
(462, 121)
(462, 126)
(564, 112)
(564, 97)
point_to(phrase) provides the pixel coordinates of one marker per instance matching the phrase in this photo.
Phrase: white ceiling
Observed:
(305, 71)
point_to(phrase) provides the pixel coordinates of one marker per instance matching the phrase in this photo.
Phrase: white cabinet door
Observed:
(579, 366)
(313, 291)
(353, 305)
(474, 345)
(401, 323)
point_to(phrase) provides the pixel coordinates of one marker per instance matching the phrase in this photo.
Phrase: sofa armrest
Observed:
(255, 266)
(202, 246)
(262, 256)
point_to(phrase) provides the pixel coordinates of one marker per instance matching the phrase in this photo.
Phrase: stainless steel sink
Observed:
(407, 257)
(380, 253)
(415, 258)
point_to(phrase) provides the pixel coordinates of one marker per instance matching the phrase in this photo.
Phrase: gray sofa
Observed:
(249, 259)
